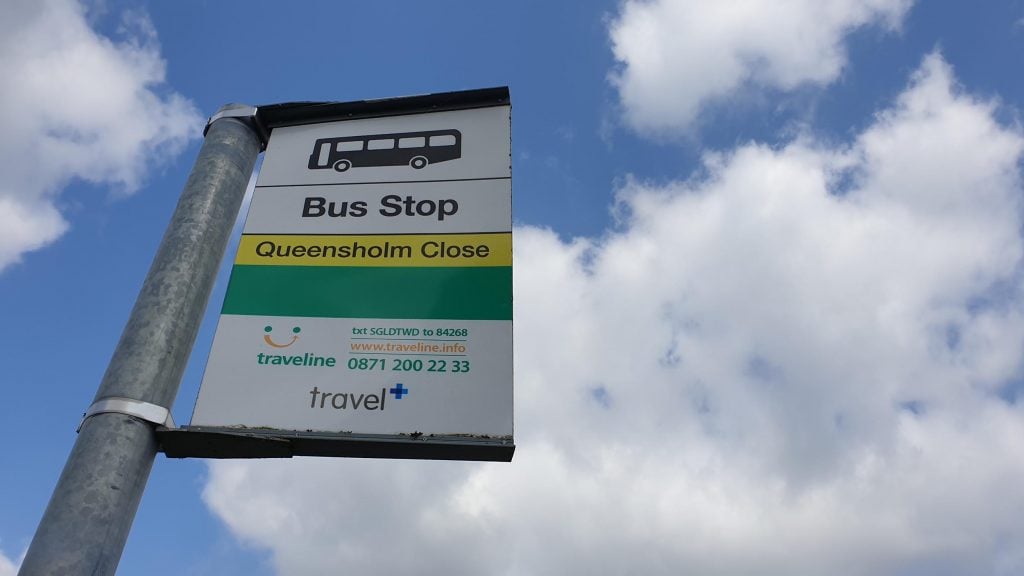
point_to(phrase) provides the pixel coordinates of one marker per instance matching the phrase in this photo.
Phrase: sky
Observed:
(769, 293)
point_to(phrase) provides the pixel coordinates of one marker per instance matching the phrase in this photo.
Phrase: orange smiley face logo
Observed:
(270, 341)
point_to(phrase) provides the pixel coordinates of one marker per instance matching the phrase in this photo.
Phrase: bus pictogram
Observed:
(415, 149)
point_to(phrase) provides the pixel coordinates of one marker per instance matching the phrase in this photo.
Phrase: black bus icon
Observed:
(416, 149)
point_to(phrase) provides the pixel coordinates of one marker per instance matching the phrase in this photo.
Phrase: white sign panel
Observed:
(372, 289)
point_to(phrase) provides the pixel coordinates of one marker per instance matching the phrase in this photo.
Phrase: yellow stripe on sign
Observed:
(420, 250)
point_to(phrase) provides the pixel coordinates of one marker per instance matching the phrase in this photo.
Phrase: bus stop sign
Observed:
(369, 309)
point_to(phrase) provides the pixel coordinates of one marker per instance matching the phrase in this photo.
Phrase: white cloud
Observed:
(678, 56)
(792, 364)
(7, 567)
(76, 104)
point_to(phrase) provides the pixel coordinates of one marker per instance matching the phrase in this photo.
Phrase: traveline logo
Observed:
(305, 359)
(270, 341)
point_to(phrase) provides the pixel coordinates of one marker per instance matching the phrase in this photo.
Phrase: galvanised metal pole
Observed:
(84, 528)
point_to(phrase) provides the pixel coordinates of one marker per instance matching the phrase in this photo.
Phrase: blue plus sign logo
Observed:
(398, 391)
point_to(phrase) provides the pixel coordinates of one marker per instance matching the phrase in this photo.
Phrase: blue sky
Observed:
(769, 299)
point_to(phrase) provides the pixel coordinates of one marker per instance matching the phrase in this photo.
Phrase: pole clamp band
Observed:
(142, 410)
(246, 114)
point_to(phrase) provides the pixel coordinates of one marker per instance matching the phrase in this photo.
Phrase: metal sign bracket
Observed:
(142, 410)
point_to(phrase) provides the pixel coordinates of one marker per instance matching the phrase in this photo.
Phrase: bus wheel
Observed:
(418, 162)
(342, 165)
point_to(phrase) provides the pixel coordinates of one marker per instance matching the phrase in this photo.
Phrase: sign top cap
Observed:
(299, 113)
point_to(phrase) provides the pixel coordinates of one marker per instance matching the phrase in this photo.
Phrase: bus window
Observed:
(412, 142)
(442, 140)
(348, 146)
(325, 154)
(380, 144)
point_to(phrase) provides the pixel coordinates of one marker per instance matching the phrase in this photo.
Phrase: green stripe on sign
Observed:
(370, 292)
